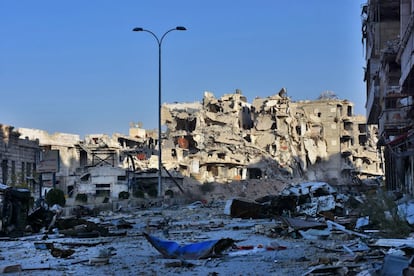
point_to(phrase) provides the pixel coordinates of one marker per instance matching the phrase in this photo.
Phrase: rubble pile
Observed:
(308, 228)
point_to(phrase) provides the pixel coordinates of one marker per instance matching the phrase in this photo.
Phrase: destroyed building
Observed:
(227, 139)
(18, 156)
(220, 140)
(387, 34)
(56, 161)
(98, 166)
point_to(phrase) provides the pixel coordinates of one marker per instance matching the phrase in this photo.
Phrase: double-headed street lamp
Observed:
(159, 41)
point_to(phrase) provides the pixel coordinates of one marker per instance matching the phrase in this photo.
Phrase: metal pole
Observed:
(159, 123)
(159, 42)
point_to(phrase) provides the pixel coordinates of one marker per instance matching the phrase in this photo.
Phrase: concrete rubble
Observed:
(271, 141)
(204, 238)
(228, 139)
(272, 187)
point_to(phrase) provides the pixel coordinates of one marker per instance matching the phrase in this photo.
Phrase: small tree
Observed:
(55, 196)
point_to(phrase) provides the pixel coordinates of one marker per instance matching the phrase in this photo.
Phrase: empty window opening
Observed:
(362, 140)
(362, 128)
(348, 126)
(349, 111)
(254, 173)
(221, 155)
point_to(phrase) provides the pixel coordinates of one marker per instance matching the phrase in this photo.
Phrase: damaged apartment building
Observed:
(18, 157)
(388, 37)
(217, 140)
(98, 166)
(227, 139)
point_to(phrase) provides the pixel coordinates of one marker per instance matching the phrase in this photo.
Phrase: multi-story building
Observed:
(99, 165)
(387, 31)
(228, 139)
(18, 158)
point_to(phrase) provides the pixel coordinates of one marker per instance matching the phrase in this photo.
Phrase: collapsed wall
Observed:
(226, 139)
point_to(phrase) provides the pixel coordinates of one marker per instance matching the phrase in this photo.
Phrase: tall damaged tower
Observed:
(388, 37)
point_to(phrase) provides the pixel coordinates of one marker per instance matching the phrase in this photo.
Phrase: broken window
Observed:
(28, 169)
(103, 190)
(362, 128)
(70, 190)
(298, 130)
(4, 171)
(245, 120)
(186, 124)
(85, 177)
(13, 172)
(349, 111)
(362, 140)
(23, 171)
(348, 126)
(214, 108)
(339, 110)
(83, 158)
(254, 173)
(221, 155)
(390, 103)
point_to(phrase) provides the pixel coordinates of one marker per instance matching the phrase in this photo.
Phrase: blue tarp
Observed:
(200, 250)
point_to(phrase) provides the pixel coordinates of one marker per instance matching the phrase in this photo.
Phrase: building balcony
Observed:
(394, 119)
(394, 91)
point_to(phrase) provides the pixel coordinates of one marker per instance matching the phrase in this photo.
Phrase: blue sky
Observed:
(77, 67)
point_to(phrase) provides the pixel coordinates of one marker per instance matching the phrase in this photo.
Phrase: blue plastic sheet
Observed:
(200, 250)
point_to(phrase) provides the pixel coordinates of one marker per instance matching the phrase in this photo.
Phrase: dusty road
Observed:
(131, 254)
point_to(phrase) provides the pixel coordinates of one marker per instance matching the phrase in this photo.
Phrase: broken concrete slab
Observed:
(303, 224)
(237, 208)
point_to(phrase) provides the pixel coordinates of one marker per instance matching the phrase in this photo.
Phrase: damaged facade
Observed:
(18, 157)
(387, 32)
(217, 140)
(228, 139)
(99, 165)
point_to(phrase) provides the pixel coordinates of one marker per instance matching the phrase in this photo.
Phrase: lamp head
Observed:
(180, 28)
(137, 29)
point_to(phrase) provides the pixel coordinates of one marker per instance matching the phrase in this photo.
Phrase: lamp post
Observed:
(159, 42)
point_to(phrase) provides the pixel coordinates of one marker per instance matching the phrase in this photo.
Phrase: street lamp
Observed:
(159, 42)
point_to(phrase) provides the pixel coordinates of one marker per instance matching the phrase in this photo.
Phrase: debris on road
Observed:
(200, 250)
